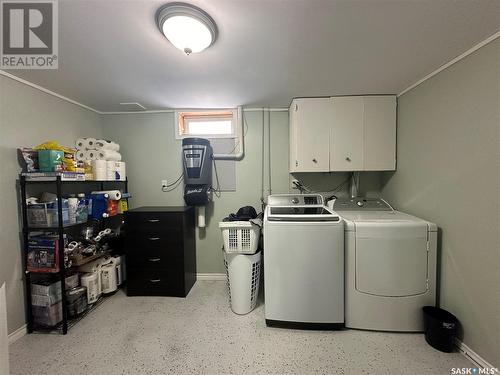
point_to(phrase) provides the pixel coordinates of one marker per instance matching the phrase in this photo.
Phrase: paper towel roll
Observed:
(99, 170)
(90, 143)
(100, 175)
(102, 144)
(81, 155)
(111, 155)
(114, 195)
(91, 155)
(99, 164)
(80, 144)
(114, 146)
(100, 155)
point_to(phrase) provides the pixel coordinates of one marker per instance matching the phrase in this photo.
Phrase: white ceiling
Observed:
(268, 51)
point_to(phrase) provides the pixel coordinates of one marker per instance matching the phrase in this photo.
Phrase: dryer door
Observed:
(391, 258)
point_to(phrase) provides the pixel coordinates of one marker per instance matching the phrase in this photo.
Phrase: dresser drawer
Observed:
(153, 222)
(153, 282)
(156, 241)
(154, 258)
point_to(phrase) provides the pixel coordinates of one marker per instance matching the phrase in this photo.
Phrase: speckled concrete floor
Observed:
(200, 335)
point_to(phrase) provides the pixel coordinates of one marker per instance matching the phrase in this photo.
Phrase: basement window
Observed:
(206, 123)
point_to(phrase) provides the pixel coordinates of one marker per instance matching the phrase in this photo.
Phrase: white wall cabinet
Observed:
(309, 143)
(349, 133)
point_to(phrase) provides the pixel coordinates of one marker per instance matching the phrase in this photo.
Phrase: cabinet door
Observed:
(292, 113)
(346, 134)
(312, 117)
(380, 133)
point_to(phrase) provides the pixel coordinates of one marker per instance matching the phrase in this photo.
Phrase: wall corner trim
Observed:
(211, 276)
(17, 334)
(472, 356)
(47, 91)
(490, 39)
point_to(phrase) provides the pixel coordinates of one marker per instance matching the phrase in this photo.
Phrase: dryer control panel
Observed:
(361, 204)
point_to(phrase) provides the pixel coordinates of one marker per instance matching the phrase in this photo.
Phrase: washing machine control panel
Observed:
(361, 204)
(295, 200)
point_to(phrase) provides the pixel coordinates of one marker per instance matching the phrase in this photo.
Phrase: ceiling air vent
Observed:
(133, 107)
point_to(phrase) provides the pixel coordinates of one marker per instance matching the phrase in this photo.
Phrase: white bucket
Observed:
(243, 276)
(91, 282)
(108, 278)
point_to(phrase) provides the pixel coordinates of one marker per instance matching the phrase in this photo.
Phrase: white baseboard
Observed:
(211, 276)
(17, 334)
(472, 356)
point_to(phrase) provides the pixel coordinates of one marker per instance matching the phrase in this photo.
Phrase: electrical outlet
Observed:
(164, 184)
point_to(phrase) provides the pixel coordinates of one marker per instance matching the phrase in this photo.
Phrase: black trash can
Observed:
(440, 328)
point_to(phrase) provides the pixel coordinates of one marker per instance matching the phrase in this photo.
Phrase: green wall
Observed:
(448, 172)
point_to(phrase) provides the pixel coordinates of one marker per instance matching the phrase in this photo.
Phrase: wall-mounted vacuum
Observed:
(197, 160)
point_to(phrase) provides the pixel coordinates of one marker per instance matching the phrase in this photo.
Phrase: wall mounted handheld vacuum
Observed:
(197, 160)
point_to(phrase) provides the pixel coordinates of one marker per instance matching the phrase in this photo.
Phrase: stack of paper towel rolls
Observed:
(97, 149)
(104, 156)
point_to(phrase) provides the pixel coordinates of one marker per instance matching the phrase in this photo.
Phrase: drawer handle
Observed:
(315, 160)
(155, 280)
(154, 259)
(154, 220)
(154, 238)
(348, 158)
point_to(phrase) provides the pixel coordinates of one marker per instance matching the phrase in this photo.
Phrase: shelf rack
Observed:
(60, 229)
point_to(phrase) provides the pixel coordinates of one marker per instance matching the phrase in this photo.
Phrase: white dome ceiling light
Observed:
(187, 27)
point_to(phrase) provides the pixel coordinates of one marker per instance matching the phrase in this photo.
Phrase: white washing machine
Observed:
(303, 263)
(390, 266)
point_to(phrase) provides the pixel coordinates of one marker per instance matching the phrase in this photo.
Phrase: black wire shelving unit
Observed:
(61, 187)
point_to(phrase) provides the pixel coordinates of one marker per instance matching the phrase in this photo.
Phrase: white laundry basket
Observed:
(240, 236)
(243, 275)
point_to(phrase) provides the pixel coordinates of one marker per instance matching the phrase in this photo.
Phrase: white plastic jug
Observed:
(91, 281)
(108, 278)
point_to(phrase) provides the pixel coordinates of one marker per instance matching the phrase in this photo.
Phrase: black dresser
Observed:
(161, 251)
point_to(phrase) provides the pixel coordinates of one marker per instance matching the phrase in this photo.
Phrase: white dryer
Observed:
(390, 266)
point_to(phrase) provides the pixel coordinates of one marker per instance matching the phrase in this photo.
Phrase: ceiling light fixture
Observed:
(187, 27)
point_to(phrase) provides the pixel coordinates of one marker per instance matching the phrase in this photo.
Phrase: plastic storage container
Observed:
(240, 236)
(76, 301)
(46, 214)
(440, 328)
(48, 315)
(243, 276)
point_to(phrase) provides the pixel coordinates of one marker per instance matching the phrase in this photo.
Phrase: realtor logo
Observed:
(29, 34)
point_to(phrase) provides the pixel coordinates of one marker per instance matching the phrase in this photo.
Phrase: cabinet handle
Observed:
(348, 158)
(296, 163)
(154, 220)
(315, 161)
(154, 259)
(155, 280)
(154, 238)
